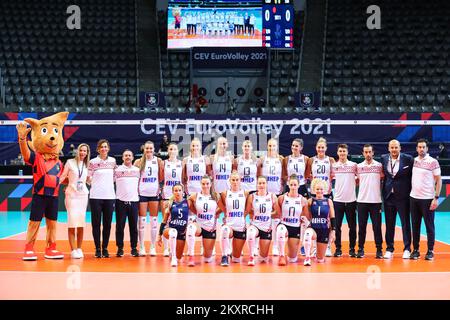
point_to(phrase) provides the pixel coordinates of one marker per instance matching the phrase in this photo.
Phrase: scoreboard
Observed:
(278, 24)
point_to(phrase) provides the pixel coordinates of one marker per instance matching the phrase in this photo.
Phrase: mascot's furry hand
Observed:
(22, 130)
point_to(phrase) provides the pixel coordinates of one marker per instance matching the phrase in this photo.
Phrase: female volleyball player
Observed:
(263, 208)
(272, 168)
(205, 205)
(151, 168)
(194, 167)
(232, 203)
(76, 197)
(222, 163)
(321, 216)
(174, 223)
(102, 196)
(292, 205)
(319, 166)
(247, 166)
(295, 164)
(172, 172)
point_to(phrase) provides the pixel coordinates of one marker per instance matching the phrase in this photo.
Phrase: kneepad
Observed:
(173, 233)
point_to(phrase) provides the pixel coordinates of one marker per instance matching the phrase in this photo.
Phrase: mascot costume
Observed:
(46, 143)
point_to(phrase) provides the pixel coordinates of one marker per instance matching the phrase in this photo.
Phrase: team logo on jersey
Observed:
(306, 99)
(230, 195)
(154, 162)
(256, 200)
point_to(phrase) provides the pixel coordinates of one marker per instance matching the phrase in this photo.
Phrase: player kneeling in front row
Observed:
(292, 206)
(232, 203)
(262, 207)
(174, 224)
(321, 215)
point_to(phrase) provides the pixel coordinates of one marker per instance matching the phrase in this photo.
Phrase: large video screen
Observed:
(214, 27)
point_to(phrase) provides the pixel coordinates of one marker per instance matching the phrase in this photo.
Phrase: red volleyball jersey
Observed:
(46, 175)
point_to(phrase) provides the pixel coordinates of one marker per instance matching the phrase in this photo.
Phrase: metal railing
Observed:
(322, 74)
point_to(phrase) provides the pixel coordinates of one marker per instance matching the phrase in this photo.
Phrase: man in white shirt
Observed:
(426, 186)
(127, 177)
(370, 174)
(344, 172)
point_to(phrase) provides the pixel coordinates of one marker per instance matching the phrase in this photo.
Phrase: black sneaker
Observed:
(379, 254)
(119, 252)
(415, 255)
(98, 253)
(338, 253)
(134, 252)
(360, 253)
(105, 253)
(225, 261)
(429, 255)
(352, 253)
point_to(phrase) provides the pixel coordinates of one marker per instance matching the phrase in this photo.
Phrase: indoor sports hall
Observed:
(347, 74)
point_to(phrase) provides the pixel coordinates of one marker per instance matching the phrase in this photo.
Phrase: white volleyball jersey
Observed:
(247, 169)
(345, 184)
(221, 173)
(272, 168)
(102, 173)
(291, 210)
(127, 182)
(206, 211)
(235, 203)
(321, 168)
(369, 182)
(262, 212)
(172, 176)
(423, 174)
(297, 166)
(195, 170)
(149, 182)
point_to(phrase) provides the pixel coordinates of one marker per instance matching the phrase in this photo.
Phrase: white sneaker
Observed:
(388, 255)
(173, 262)
(275, 251)
(166, 252)
(235, 260)
(406, 254)
(328, 252)
(80, 253)
(152, 251)
(307, 262)
(74, 254)
(142, 252)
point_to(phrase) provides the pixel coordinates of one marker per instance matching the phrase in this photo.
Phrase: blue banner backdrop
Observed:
(132, 130)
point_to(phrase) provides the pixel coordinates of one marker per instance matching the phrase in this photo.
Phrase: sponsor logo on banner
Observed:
(306, 99)
(151, 99)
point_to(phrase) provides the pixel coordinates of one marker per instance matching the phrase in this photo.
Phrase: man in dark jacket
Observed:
(397, 169)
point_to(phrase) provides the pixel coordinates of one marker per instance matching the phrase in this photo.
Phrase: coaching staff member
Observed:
(426, 186)
(397, 169)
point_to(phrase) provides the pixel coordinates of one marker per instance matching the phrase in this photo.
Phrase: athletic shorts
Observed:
(293, 232)
(208, 234)
(148, 199)
(264, 235)
(302, 190)
(44, 206)
(322, 235)
(240, 234)
(177, 25)
(181, 232)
